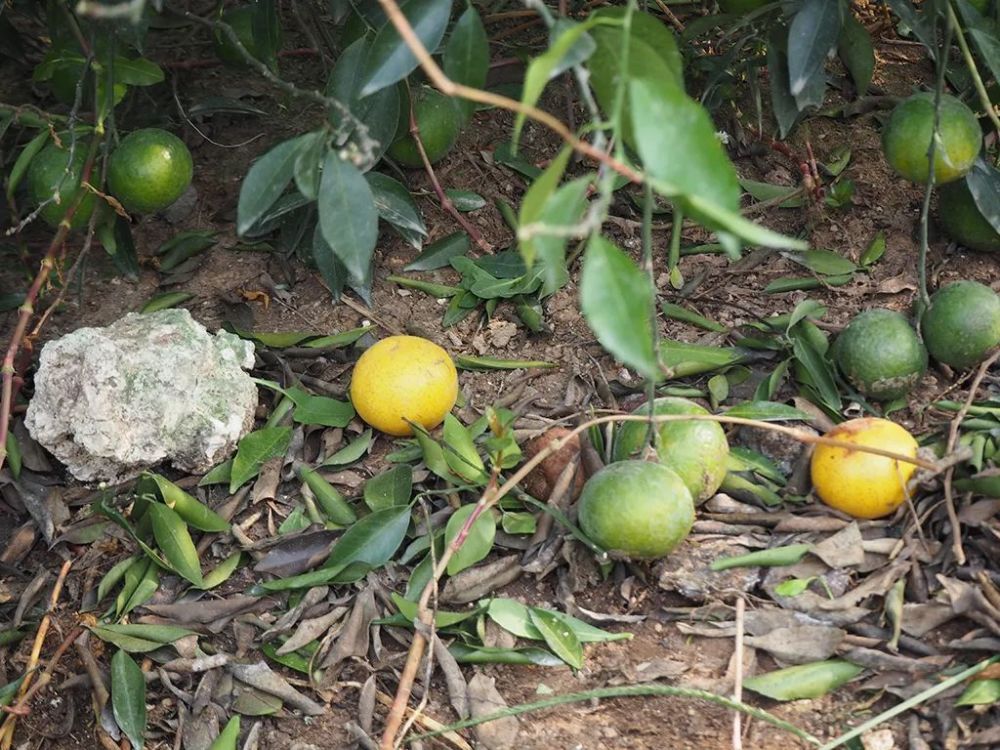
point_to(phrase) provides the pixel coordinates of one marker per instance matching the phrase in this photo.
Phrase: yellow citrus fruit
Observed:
(639, 509)
(404, 378)
(907, 137)
(864, 485)
(149, 170)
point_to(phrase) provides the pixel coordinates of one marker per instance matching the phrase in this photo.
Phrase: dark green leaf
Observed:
(221, 572)
(309, 162)
(347, 215)
(409, 610)
(175, 543)
(799, 283)
(23, 160)
(395, 204)
(165, 301)
(460, 452)
(125, 636)
(465, 654)
(128, 697)
(823, 262)
(685, 359)
(321, 410)
(812, 35)
(433, 454)
(561, 211)
(767, 411)
(191, 510)
(677, 312)
(230, 734)
(438, 291)
(983, 182)
(807, 308)
(469, 362)
(816, 365)
(615, 297)
(534, 201)
(804, 680)
(266, 32)
(513, 522)
(515, 617)
(477, 543)
(783, 104)
(139, 72)
(220, 474)
(466, 57)
(265, 182)
(874, 252)
(14, 459)
(765, 191)
(857, 52)
(465, 200)
(439, 253)
(338, 340)
(350, 452)
(113, 576)
(389, 59)
(254, 450)
(390, 488)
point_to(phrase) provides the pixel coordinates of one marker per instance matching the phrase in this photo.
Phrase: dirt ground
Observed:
(297, 300)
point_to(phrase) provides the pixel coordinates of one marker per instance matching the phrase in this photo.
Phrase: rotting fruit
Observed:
(404, 378)
(860, 484)
(439, 120)
(906, 139)
(149, 170)
(696, 449)
(637, 509)
(880, 354)
(963, 221)
(962, 324)
(52, 168)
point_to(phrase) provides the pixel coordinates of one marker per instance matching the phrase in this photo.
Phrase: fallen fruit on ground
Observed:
(962, 324)
(695, 450)
(638, 509)
(544, 477)
(907, 137)
(962, 220)
(439, 119)
(864, 485)
(53, 168)
(149, 170)
(880, 354)
(241, 19)
(404, 378)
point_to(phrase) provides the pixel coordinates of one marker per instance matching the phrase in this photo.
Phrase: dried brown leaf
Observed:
(485, 699)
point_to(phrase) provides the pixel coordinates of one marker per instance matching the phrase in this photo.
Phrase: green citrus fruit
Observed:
(46, 173)
(741, 6)
(962, 324)
(907, 137)
(880, 355)
(638, 509)
(962, 220)
(695, 450)
(149, 170)
(439, 119)
(241, 19)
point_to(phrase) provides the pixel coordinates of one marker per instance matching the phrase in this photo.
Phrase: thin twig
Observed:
(970, 63)
(738, 677)
(956, 526)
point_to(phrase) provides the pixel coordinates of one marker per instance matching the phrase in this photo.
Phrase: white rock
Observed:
(112, 402)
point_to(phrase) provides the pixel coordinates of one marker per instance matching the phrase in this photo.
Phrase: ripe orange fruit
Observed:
(860, 484)
(907, 137)
(404, 378)
(639, 509)
(149, 170)
(52, 168)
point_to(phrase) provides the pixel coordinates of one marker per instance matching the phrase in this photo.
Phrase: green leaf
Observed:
(439, 253)
(470, 362)
(562, 211)
(395, 205)
(371, 542)
(127, 637)
(165, 301)
(221, 572)
(793, 586)
(460, 452)
(465, 654)
(534, 201)
(767, 411)
(615, 297)
(684, 359)
(558, 636)
(823, 262)
(465, 200)
(309, 163)
(983, 182)
(815, 364)
(477, 544)
(442, 619)
(812, 35)
(677, 312)
(128, 697)
(138, 72)
(23, 160)
(175, 543)
(980, 693)
(515, 618)
(347, 216)
(804, 680)
(676, 139)
(718, 389)
(220, 474)
(765, 191)
(350, 452)
(802, 283)
(389, 59)
(266, 32)
(338, 340)
(229, 736)
(14, 459)
(874, 252)
(857, 53)
(191, 510)
(320, 410)
(117, 572)
(466, 57)
(390, 488)
(254, 450)
(265, 182)
(514, 522)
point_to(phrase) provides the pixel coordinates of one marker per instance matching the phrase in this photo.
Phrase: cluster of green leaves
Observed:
(331, 214)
